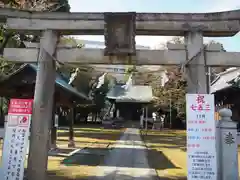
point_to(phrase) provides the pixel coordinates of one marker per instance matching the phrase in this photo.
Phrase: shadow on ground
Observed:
(53, 175)
(95, 157)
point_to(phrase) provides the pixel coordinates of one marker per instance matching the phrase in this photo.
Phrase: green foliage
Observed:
(130, 70)
(71, 41)
(11, 3)
(172, 92)
(85, 78)
(9, 38)
(63, 6)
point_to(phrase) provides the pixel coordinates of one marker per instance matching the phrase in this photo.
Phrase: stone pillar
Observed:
(228, 146)
(42, 108)
(195, 71)
(71, 117)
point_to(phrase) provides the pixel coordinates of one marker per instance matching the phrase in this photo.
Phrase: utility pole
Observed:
(42, 108)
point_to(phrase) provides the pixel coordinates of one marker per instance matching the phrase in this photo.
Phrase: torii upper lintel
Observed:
(217, 24)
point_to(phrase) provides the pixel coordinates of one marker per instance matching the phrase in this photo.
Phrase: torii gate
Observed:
(119, 30)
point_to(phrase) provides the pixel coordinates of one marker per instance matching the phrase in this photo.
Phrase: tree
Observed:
(71, 41)
(38, 5)
(9, 38)
(85, 79)
(173, 90)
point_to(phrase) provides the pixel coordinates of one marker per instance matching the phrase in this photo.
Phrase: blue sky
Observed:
(187, 6)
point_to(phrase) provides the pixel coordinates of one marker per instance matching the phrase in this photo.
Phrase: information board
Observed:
(16, 139)
(201, 137)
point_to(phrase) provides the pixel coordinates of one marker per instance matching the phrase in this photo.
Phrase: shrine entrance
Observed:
(119, 30)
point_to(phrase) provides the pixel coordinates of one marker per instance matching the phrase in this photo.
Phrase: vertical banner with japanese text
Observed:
(16, 138)
(201, 137)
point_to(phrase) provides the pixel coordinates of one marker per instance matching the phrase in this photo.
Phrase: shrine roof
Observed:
(225, 80)
(135, 93)
(60, 81)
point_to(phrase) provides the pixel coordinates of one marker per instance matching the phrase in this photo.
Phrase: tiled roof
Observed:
(62, 82)
(223, 79)
(132, 94)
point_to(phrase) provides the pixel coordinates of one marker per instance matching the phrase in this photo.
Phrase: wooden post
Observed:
(42, 108)
(141, 119)
(146, 120)
(54, 128)
(71, 129)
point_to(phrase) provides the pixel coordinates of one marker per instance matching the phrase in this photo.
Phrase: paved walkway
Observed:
(127, 160)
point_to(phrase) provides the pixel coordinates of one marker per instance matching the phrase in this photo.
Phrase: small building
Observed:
(130, 102)
(226, 88)
(21, 84)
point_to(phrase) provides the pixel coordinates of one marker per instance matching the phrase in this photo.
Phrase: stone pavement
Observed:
(127, 160)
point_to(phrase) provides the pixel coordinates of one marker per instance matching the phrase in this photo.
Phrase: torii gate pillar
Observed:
(196, 72)
(42, 107)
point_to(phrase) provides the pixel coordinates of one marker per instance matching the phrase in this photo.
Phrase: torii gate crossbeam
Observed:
(163, 24)
(175, 55)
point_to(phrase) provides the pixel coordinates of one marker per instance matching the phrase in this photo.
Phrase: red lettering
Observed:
(200, 99)
(193, 107)
(207, 107)
(200, 107)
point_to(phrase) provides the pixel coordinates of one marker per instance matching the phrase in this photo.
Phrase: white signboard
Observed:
(201, 137)
(16, 139)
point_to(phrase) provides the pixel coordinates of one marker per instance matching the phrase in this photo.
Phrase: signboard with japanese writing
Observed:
(201, 137)
(16, 139)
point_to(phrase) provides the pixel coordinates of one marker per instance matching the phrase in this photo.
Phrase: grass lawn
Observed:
(167, 153)
(81, 167)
